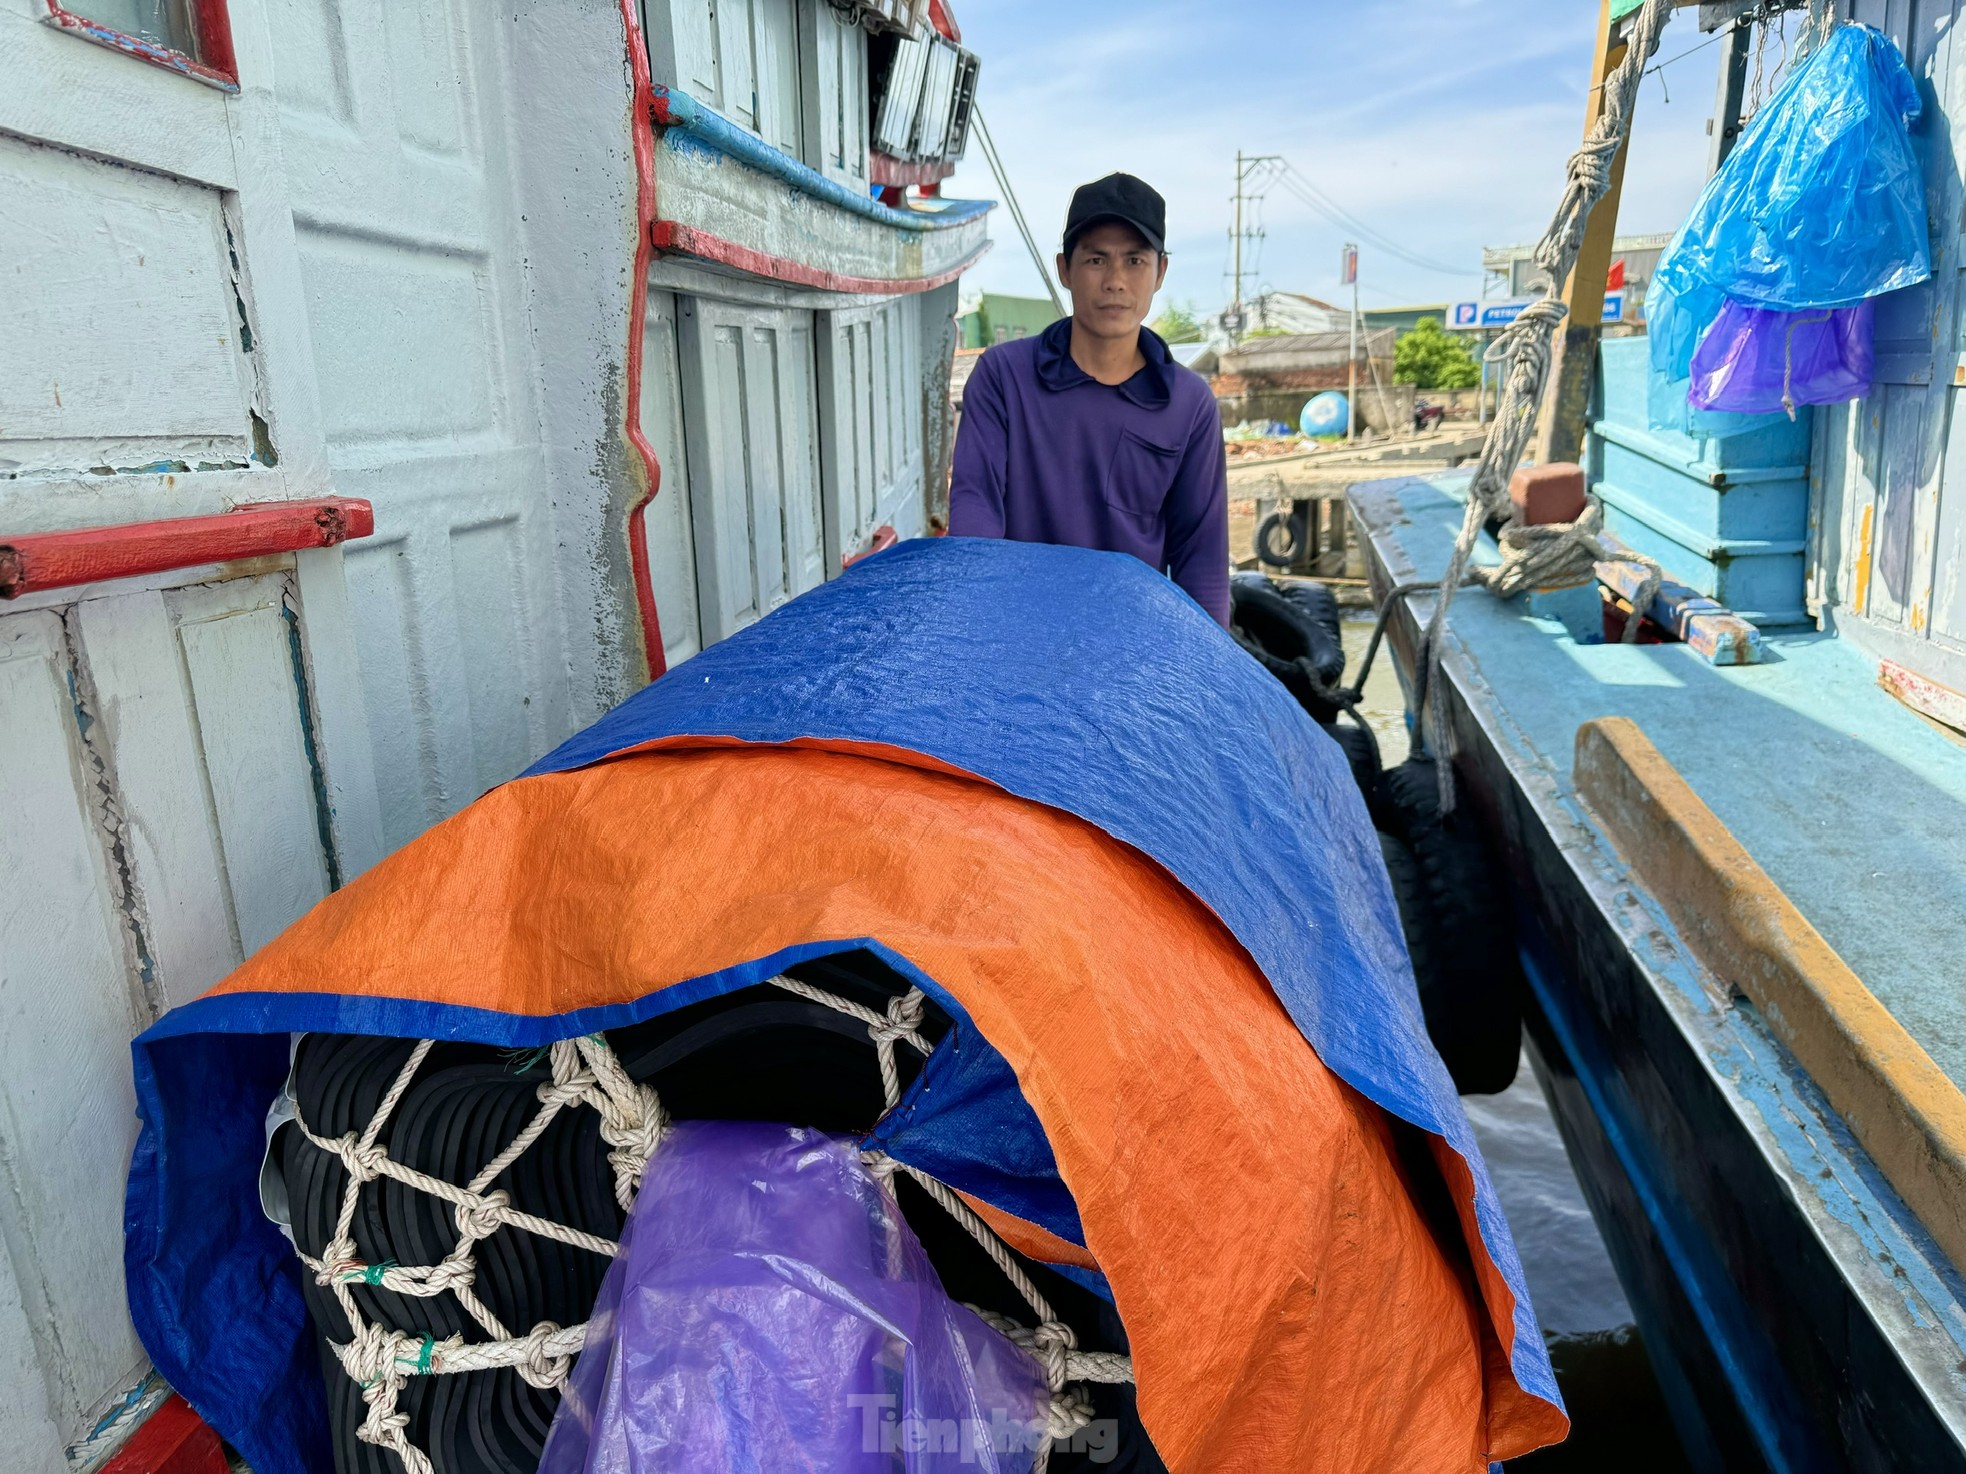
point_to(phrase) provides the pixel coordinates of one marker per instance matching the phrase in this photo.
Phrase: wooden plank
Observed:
(737, 67)
(143, 703)
(68, 959)
(26, 1431)
(1926, 697)
(781, 122)
(672, 556)
(238, 651)
(409, 791)
(798, 453)
(496, 638)
(125, 351)
(833, 92)
(761, 500)
(334, 676)
(1705, 625)
(898, 500)
(1901, 477)
(1909, 1116)
(684, 38)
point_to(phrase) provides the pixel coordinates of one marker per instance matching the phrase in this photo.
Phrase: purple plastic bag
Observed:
(771, 1311)
(1757, 360)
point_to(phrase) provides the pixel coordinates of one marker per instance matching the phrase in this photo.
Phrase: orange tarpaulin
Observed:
(1288, 1305)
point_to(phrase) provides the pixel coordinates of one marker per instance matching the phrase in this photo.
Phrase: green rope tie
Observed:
(421, 1364)
(523, 1061)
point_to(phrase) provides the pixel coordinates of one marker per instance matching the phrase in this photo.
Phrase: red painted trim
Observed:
(886, 169)
(214, 24)
(172, 1440)
(58, 560)
(640, 126)
(944, 21)
(884, 538)
(672, 237)
(218, 66)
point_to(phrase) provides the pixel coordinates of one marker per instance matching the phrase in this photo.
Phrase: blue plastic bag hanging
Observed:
(1675, 322)
(771, 1310)
(1822, 202)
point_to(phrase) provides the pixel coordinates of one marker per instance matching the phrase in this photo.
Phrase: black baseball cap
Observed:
(1118, 197)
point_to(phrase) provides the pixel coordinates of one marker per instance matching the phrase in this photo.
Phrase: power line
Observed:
(1293, 179)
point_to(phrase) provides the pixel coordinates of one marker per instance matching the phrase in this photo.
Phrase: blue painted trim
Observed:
(1717, 478)
(678, 110)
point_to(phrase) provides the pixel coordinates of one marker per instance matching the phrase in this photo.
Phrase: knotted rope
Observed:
(586, 1072)
(1557, 552)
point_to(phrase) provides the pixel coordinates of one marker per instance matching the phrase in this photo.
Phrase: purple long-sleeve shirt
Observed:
(1048, 454)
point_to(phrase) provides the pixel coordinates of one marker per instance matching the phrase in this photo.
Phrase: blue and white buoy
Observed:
(1329, 413)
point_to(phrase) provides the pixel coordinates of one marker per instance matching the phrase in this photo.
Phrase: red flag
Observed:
(1615, 282)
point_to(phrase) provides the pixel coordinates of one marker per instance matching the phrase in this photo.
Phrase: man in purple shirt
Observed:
(1091, 434)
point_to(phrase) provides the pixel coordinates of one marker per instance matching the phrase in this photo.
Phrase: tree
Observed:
(1178, 323)
(1430, 357)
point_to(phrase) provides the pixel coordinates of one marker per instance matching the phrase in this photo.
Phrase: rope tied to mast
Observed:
(1554, 552)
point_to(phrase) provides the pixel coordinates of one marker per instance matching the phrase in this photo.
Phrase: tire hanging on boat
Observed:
(1362, 752)
(1459, 929)
(1293, 631)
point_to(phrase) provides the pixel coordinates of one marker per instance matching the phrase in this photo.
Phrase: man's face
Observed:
(1112, 275)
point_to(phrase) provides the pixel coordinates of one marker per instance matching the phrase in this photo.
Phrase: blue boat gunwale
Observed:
(1898, 1299)
(676, 112)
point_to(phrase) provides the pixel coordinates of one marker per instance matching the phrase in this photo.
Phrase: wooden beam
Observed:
(1908, 1114)
(1573, 361)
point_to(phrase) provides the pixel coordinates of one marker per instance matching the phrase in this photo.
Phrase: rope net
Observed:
(587, 1074)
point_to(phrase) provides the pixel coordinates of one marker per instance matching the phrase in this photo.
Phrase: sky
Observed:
(1444, 125)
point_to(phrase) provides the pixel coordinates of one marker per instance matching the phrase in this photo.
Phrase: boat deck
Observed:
(1800, 1315)
(1854, 804)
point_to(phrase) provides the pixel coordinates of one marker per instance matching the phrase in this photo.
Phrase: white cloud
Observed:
(1444, 126)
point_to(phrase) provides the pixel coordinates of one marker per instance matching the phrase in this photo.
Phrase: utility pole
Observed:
(1246, 164)
(1237, 297)
(1351, 393)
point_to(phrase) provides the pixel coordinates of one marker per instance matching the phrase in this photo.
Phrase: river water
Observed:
(1618, 1421)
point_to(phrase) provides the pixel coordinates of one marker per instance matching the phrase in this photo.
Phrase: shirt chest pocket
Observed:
(1141, 475)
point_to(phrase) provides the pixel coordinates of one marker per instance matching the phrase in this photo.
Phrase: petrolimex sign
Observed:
(1499, 312)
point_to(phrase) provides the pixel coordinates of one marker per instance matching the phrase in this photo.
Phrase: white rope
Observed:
(1555, 553)
(587, 1073)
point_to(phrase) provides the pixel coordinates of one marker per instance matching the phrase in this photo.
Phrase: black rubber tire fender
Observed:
(1321, 605)
(1261, 615)
(1415, 911)
(1362, 752)
(1279, 538)
(1473, 996)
